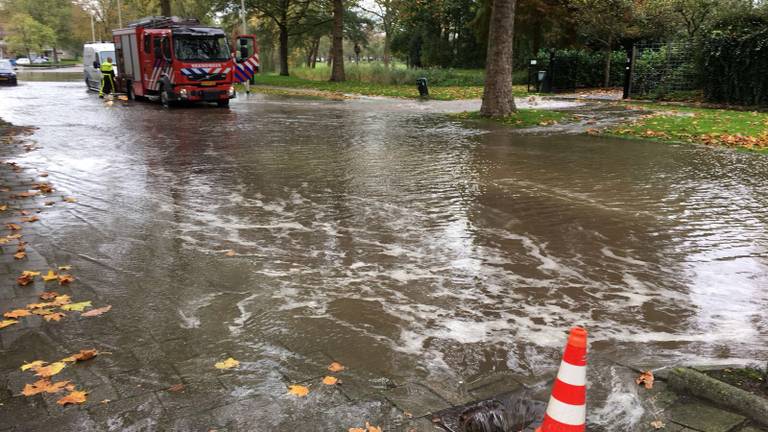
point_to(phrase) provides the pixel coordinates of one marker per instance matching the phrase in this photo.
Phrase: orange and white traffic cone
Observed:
(567, 408)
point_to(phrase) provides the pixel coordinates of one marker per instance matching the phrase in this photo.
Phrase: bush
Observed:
(735, 60)
(581, 68)
(376, 73)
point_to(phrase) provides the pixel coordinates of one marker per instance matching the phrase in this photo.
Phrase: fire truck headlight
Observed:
(231, 91)
(183, 93)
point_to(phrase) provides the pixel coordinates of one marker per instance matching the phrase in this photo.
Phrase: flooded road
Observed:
(409, 247)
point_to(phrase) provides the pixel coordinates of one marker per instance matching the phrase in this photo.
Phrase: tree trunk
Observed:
(387, 46)
(498, 100)
(337, 44)
(284, 50)
(55, 55)
(315, 52)
(607, 68)
(165, 8)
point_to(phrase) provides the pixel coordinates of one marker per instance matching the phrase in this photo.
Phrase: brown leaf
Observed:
(657, 424)
(371, 428)
(20, 255)
(336, 367)
(74, 397)
(53, 316)
(49, 295)
(30, 219)
(329, 380)
(176, 388)
(96, 312)
(65, 279)
(646, 379)
(18, 313)
(230, 253)
(83, 355)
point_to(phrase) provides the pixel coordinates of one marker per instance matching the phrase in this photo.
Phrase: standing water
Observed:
(418, 251)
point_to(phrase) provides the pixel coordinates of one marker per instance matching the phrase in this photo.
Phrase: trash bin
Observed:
(423, 88)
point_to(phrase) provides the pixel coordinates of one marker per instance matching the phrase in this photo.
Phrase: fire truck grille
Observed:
(207, 77)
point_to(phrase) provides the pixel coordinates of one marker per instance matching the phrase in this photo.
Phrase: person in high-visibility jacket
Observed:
(107, 77)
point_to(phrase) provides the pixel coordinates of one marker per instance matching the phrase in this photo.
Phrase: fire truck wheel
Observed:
(129, 91)
(164, 98)
(223, 103)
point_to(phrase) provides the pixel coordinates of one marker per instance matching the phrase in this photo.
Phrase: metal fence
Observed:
(660, 69)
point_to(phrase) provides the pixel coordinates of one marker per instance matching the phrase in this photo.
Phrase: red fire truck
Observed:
(172, 59)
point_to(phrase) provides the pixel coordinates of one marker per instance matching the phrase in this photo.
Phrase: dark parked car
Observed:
(7, 73)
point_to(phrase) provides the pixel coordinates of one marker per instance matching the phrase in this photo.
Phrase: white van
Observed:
(93, 55)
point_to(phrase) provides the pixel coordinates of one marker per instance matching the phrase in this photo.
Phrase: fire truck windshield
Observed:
(200, 48)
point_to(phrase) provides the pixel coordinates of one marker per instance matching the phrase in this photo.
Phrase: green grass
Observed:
(450, 92)
(719, 127)
(521, 119)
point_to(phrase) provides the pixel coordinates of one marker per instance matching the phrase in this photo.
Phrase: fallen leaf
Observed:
(227, 364)
(26, 194)
(298, 390)
(105, 401)
(70, 200)
(13, 236)
(50, 370)
(49, 295)
(370, 428)
(76, 306)
(6, 323)
(38, 306)
(20, 255)
(42, 312)
(18, 313)
(646, 379)
(32, 365)
(83, 355)
(27, 277)
(356, 430)
(51, 276)
(30, 219)
(13, 226)
(53, 316)
(45, 188)
(43, 174)
(44, 386)
(336, 367)
(49, 203)
(176, 388)
(65, 279)
(96, 312)
(657, 424)
(3, 207)
(329, 380)
(60, 301)
(65, 268)
(230, 253)
(74, 397)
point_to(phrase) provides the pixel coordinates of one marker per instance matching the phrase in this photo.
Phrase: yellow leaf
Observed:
(50, 370)
(298, 390)
(227, 364)
(70, 200)
(65, 268)
(329, 380)
(74, 397)
(30, 273)
(59, 301)
(18, 313)
(32, 365)
(76, 306)
(336, 367)
(6, 323)
(42, 312)
(51, 276)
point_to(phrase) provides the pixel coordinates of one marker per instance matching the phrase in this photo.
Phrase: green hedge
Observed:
(582, 68)
(735, 60)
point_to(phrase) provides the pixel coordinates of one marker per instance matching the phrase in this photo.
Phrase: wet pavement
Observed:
(440, 261)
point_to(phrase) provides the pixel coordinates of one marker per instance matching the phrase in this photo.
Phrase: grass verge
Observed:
(717, 127)
(375, 89)
(521, 119)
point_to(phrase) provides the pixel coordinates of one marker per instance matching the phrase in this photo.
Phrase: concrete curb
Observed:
(701, 385)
